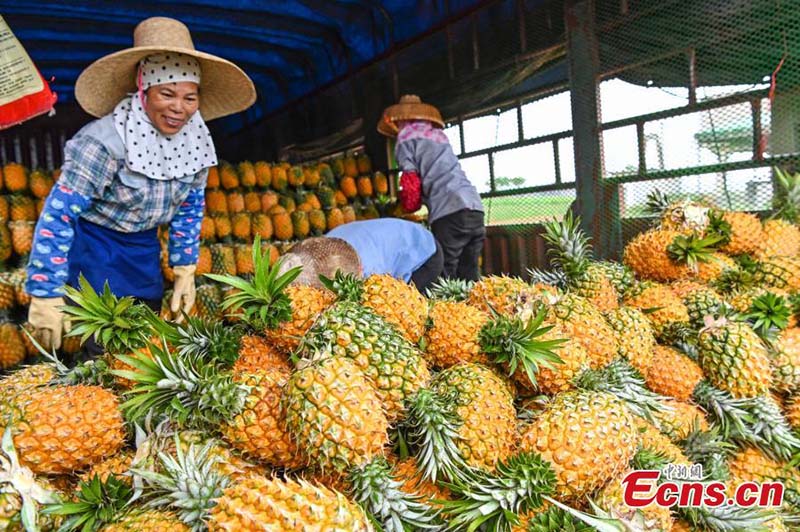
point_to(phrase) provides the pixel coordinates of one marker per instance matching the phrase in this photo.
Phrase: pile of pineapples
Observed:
(498, 405)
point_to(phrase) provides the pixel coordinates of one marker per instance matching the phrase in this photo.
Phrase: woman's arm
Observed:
(184, 233)
(87, 167)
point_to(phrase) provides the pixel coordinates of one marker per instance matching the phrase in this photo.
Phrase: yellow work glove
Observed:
(183, 292)
(48, 321)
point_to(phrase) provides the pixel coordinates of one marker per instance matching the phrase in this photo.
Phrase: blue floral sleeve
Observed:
(184, 230)
(55, 230)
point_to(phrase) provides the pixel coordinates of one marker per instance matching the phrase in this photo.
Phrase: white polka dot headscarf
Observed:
(150, 152)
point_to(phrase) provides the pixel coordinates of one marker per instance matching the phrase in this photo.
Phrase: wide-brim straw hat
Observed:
(224, 87)
(320, 256)
(410, 107)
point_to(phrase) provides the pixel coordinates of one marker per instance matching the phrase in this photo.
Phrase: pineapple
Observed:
(498, 293)
(256, 354)
(782, 238)
(235, 202)
(263, 174)
(711, 269)
(316, 218)
(587, 437)
(147, 521)
(4, 208)
(635, 338)
(453, 336)
(484, 403)
(116, 465)
(583, 322)
(701, 303)
(279, 179)
(268, 200)
(286, 505)
(779, 272)
(399, 303)
(61, 429)
(646, 254)
(23, 208)
(216, 202)
(5, 242)
(785, 360)
(683, 215)
(7, 298)
(40, 184)
(259, 430)
(300, 224)
(393, 365)
(240, 227)
(247, 174)
(334, 218)
(16, 177)
(364, 186)
(655, 517)
(571, 254)
(673, 374)
(208, 303)
(792, 411)
(734, 359)
(560, 377)
(12, 347)
(21, 236)
(262, 226)
(223, 227)
(223, 259)
(213, 178)
(746, 233)
(677, 419)
(781, 232)
(408, 472)
(281, 223)
(348, 214)
(660, 304)
(348, 187)
(296, 176)
(17, 278)
(243, 254)
(651, 439)
(228, 177)
(203, 260)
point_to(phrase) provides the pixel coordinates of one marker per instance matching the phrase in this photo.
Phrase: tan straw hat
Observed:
(226, 89)
(321, 256)
(410, 107)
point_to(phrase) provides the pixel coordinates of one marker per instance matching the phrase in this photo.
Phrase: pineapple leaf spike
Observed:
(570, 250)
(518, 343)
(489, 501)
(445, 289)
(115, 323)
(431, 430)
(768, 314)
(346, 286)
(263, 299)
(99, 502)
(657, 202)
(787, 200)
(88, 372)
(382, 496)
(718, 227)
(623, 381)
(692, 249)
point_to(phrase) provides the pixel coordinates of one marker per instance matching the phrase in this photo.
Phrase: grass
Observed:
(524, 209)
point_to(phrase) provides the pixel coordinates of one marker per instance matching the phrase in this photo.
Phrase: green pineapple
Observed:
(223, 259)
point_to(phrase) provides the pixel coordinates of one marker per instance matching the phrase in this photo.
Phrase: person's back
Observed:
(388, 245)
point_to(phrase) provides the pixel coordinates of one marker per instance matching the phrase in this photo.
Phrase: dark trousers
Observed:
(93, 350)
(461, 235)
(424, 276)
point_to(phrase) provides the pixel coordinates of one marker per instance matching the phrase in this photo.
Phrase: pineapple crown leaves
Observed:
(376, 490)
(189, 484)
(99, 502)
(555, 278)
(624, 382)
(555, 518)
(770, 431)
(263, 299)
(691, 249)
(786, 201)
(116, 323)
(718, 227)
(657, 202)
(730, 414)
(88, 372)
(445, 289)
(570, 250)
(706, 447)
(491, 500)
(727, 518)
(514, 342)
(769, 312)
(431, 430)
(346, 286)
(22, 482)
(209, 340)
(186, 389)
(602, 522)
(732, 280)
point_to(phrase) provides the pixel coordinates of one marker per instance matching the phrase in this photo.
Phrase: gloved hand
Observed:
(183, 292)
(48, 321)
(410, 194)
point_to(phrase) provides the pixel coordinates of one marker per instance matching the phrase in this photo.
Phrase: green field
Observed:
(524, 209)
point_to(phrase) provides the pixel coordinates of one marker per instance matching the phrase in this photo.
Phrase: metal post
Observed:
(597, 202)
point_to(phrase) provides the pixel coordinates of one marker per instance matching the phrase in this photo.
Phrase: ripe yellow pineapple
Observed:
(228, 177)
(262, 226)
(583, 322)
(651, 438)
(307, 303)
(453, 334)
(67, 428)
(560, 377)
(747, 234)
(16, 177)
(781, 238)
(779, 272)
(40, 183)
(223, 227)
(678, 419)
(673, 374)
(216, 202)
(263, 174)
(497, 292)
(397, 302)
(244, 259)
(286, 505)
(711, 269)
(792, 412)
(611, 499)
(634, 335)
(660, 304)
(256, 353)
(235, 202)
(23, 208)
(240, 227)
(785, 359)
(485, 405)
(734, 358)
(117, 465)
(247, 174)
(334, 414)
(21, 236)
(147, 521)
(646, 254)
(12, 348)
(259, 430)
(407, 471)
(588, 438)
(281, 223)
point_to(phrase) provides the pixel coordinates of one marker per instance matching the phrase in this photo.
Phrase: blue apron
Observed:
(130, 262)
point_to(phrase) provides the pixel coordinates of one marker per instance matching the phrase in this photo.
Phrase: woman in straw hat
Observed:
(432, 175)
(142, 164)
